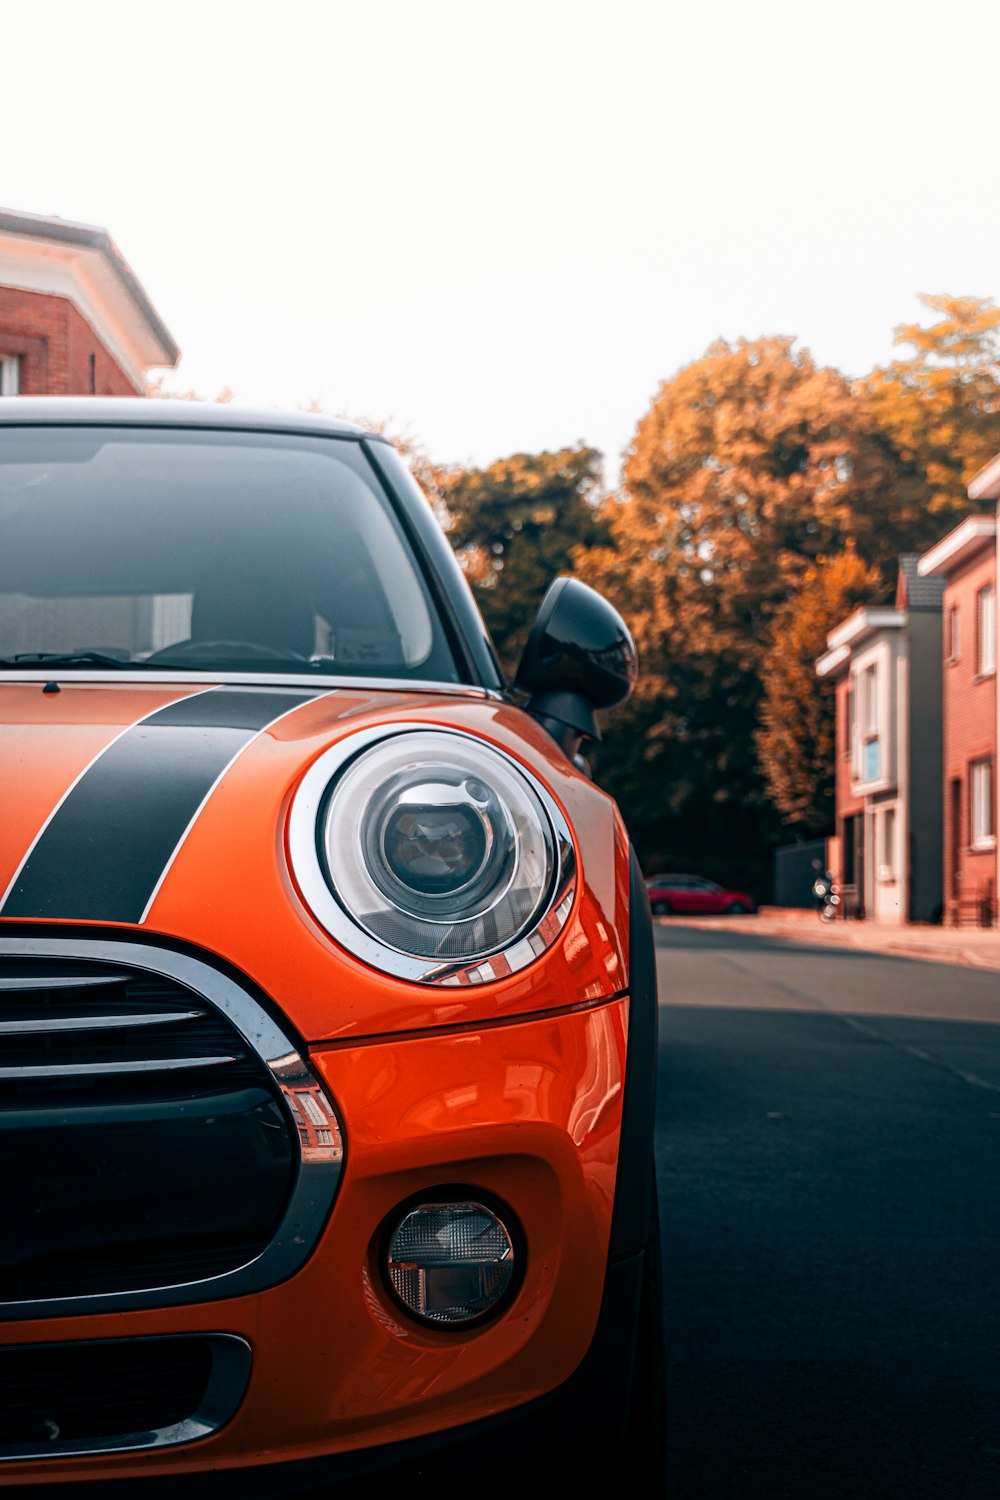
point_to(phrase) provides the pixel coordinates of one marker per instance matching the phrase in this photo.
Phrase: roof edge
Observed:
(864, 622)
(90, 237)
(985, 483)
(118, 411)
(955, 548)
(829, 662)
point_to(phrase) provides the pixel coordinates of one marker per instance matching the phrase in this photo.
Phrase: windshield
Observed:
(158, 548)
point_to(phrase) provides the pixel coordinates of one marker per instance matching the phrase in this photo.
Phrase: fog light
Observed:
(450, 1262)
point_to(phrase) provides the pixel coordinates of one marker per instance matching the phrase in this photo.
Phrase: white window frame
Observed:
(10, 375)
(986, 607)
(981, 804)
(867, 715)
(876, 710)
(954, 634)
(869, 701)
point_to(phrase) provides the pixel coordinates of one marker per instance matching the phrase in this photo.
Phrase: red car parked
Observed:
(693, 895)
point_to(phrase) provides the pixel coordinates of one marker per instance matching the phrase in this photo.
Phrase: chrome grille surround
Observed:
(316, 1130)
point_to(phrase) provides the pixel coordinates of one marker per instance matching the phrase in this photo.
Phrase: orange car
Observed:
(327, 996)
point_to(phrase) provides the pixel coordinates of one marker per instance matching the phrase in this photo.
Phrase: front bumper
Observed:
(525, 1112)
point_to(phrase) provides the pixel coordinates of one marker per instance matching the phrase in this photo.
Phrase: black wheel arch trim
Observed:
(634, 1182)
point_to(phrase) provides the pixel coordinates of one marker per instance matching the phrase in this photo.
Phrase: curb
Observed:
(857, 936)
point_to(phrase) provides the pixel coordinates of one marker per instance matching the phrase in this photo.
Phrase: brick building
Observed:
(966, 562)
(74, 319)
(886, 664)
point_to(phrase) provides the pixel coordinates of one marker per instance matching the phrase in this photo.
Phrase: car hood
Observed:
(163, 808)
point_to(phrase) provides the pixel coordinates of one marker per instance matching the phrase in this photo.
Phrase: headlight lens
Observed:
(431, 854)
(436, 846)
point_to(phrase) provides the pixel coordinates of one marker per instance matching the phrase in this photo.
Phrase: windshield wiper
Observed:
(64, 659)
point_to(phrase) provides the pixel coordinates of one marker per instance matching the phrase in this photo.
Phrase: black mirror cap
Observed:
(580, 656)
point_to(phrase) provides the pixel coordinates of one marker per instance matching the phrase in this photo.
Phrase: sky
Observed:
(499, 228)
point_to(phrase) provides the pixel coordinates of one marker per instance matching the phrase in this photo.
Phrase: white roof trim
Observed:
(84, 277)
(864, 622)
(985, 485)
(955, 547)
(831, 660)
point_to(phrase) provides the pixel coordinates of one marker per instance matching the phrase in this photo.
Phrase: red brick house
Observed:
(966, 561)
(74, 319)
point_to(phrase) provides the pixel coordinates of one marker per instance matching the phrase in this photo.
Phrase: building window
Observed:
(848, 718)
(871, 767)
(9, 375)
(981, 804)
(951, 635)
(986, 650)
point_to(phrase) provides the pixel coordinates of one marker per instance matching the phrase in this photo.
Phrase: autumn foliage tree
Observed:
(795, 733)
(764, 497)
(750, 464)
(939, 413)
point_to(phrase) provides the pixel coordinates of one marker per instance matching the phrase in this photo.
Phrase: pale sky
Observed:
(499, 227)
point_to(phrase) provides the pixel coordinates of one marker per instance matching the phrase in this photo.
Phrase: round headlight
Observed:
(429, 852)
(437, 846)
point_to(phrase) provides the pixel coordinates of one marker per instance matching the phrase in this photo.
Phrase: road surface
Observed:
(828, 1139)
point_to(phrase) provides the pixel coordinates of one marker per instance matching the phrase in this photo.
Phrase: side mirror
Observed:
(579, 657)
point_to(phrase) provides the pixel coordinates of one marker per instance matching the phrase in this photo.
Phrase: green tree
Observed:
(795, 734)
(516, 525)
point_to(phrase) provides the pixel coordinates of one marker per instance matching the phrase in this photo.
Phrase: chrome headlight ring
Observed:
(418, 896)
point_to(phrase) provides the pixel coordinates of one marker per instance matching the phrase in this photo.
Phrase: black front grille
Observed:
(117, 1392)
(142, 1140)
(80, 1029)
(67, 1392)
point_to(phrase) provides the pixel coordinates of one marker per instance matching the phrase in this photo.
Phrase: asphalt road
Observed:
(828, 1139)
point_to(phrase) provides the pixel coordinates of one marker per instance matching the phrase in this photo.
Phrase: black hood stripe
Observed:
(104, 852)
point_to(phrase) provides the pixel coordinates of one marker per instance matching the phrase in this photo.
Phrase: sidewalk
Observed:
(977, 946)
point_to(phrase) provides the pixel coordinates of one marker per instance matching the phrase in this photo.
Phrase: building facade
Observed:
(74, 319)
(966, 562)
(885, 663)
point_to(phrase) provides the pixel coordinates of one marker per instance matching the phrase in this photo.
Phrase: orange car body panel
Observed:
(513, 1088)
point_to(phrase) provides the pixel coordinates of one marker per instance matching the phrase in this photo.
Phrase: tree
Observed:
(516, 525)
(940, 412)
(750, 464)
(795, 735)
